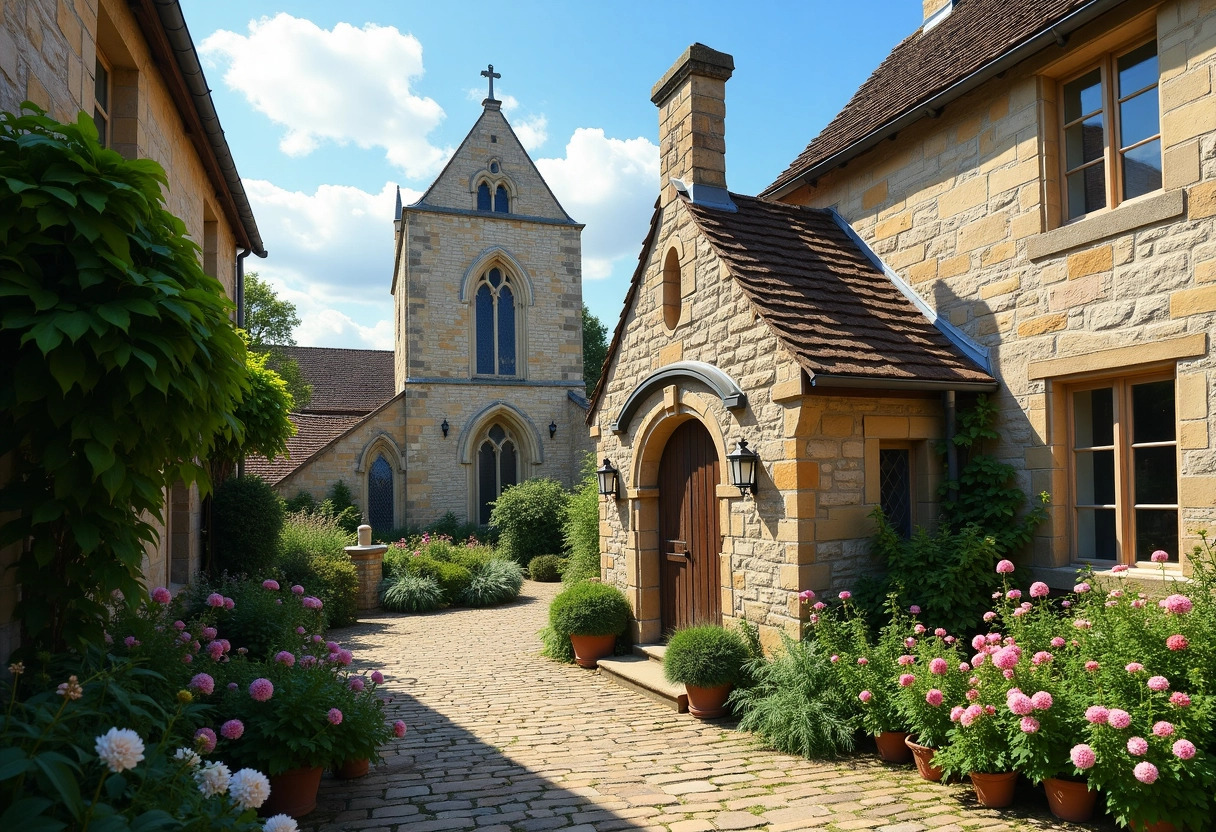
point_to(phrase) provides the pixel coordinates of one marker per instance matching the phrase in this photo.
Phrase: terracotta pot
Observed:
(294, 792)
(891, 747)
(1070, 799)
(994, 790)
(708, 703)
(588, 650)
(352, 769)
(923, 755)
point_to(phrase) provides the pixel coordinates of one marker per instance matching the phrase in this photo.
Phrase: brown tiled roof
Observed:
(344, 381)
(313, 432)
(825, 299)
(925, 64)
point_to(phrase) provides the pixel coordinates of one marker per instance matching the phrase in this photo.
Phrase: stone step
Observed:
(643, 675)
(654, 651)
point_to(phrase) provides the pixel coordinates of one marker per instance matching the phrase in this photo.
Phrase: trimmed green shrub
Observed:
(529, 519)
(411, 593)
(310, 536)
(547, 568)
(795, 704)
(589, 609)
(473, 558)
(312, 554)
(336, 583)
(255, 621)
(705, 657)
(452, 579)
(246, 517)
(582, 527)
(451, 526)
(494, 582)
(340, 497)
(302, 502)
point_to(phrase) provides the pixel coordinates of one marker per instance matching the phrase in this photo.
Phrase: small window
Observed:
(895, 488)
(495, 309)
(671, 289)
(483, 197)
(493, 167)
(101, 101)
(502, 203)
(380, 495)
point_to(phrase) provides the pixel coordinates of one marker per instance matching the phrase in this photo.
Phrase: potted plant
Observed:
(591, 615)
(708, 661)
(363, 728)
(939, 677)
(979, 747)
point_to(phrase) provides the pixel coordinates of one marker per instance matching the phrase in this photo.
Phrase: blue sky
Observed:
(329, 106)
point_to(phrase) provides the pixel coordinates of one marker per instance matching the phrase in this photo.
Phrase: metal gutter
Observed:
(1055, 34)
(871, 383)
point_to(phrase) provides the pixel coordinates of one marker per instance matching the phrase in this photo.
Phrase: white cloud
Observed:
(345, 85)
(609, 184)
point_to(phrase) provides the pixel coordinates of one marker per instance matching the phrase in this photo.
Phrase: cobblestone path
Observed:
(503, 740)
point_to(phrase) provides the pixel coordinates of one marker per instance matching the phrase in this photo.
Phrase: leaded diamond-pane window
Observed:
(380, 495)
(895, 486)
(495, 330)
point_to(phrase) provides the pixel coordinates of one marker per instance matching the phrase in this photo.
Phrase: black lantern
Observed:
(444, 427)
(552, 429)
(743, 462)
(608, 477)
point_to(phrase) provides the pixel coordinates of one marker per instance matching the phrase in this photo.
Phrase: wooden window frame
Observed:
(913, 472)
(106, 110)
(1125, 508)
(1112, 131)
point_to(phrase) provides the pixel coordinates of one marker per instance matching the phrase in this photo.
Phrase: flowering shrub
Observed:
(939, 678)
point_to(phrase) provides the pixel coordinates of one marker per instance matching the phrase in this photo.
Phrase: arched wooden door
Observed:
(690, 537)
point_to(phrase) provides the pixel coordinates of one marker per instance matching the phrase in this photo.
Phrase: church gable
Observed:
(492, 173)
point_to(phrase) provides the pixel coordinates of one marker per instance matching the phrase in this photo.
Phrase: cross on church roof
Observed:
(491, 74)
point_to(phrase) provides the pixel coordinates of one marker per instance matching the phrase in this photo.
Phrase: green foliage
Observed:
(255, 622)
(547, 568)
(454, 580)
(556, 647)
(268, 320)
(582, 527)
(705, 657)
(302, 502)
(340, 497)
(336, 583)
(408, 592)
(529, 518)
(494, 582)
(311, 552)
(449, 525)
(595, 348)
(349, 520)
(589, 609)
(121, 369)
(246, 517)
(288, 370)
(305, 536)
(795, 704)
(262, 414)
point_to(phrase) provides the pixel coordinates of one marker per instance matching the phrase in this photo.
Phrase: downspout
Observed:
(240, 320)
(951, 449)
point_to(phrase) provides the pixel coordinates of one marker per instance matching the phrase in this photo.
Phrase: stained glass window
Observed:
(502, 204)
(380, 495)
(497, 469)
(495, 325)
(483, 197)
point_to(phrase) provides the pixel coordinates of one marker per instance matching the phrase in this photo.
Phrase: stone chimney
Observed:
(691, 97)
(935, 12)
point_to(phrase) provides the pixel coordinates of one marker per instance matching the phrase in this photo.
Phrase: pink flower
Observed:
(970, 714)
(399, 729)
(261, 689)
(229, 603)
(356, 684)
(1082, 756)
(1038, 589)
(1178, 604)
(1179, 699)
(1146, 772)
(1082, 588)
(1006, 658)
(1177, 642)
(1019, 703)
(203, 683)
(1137, 746)
(978, 659)
(956, 713)
(131, 641)
(806, 595)
(1138, 603)
(919, 629)
(865, 696)
(1118, 568)
(204, 740)
(972, 695)
(1066, 603)
(187, 659)
(297, 590)
(1082, 624)
(819, 606)
(1042, 701)
(232, 729)
(270, 584)
(914, 609)
(1184, 749)
(1134, 667)
(1092, 666)
(1008, 674)
(1013, 594)
(988, 616)
(1004, 567)
(940, 632)
(978, 641)
(285, 657)
(334, 716)
(215, 600)
(906, 680)
(1097, 715)
(934, 697)
(938, 666)
(1029, 725)
(1041, 657)
(1159, 556)
(863, 660)
(345, 657)
(963, 667)
(179, 625)
(949, 639)
(1163, 729)
(300, 631)
(905, 660)
(846, 595)
(1119, 718)
(377, 677)
(834, 658)
(317, 639)
(1057, 642)
(161, 595)
(232, 686)
(311, 603)
(1158, 683)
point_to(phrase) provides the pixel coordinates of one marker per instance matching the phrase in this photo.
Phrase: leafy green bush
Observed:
(411, 593)
(451, 526)
(547, 568)
(246, 517)
(336, 583)
(529, 519)
(311, 536)
(339, 497)
(494, 582)
(302, 502)
(452, 579)
(705, 657)
(582, 527)
(312, 553)
(255, 622)
(349, 520)
(589, 609)
(794, 704)
(556, 647)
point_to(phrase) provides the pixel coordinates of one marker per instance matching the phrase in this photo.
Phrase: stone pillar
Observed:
(369, 566)
(691, 97)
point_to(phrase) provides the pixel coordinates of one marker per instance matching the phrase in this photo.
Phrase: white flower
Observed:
(187, 756)
(249, 788)
(212, 779)
(120, 749)
(280, 823)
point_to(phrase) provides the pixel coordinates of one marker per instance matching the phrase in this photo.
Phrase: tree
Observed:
(120, 370)
(595, 348)
(270, 323)
(262, 414)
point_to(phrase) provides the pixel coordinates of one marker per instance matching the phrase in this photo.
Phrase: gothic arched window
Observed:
(495, 336)
(380, 495)
(502, 203)
(483, 197)
(497, 468)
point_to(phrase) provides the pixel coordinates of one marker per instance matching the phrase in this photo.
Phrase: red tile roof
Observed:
(344, 381)
(313, 433)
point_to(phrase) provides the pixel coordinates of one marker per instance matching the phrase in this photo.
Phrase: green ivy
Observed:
(121, 368)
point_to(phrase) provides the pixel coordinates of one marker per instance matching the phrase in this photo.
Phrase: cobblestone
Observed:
(520, 743)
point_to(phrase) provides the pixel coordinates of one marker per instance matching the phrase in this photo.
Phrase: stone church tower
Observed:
(487, 294)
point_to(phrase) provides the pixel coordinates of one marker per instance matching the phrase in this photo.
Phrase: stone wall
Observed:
(966, 207)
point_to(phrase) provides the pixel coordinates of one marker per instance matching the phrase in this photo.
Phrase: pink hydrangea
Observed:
(1119, 718)
(1177, 642)
(1038, 589)
(862, 660)
(988, 616)
(1158, 683)
(806, 595)
(865, 696)
(834, 658)
(334, 716)
(978, 659)
(232, 729)
(1041, 657)
(187, 659)
(1134, 667)
(215, 600)
(377, 677)
(906, 680)
(819, 606)
(1013, 594)
(1041, 700)
(297, 590)
(300, 631)
(1097, 715)
(179, 625)
(1019, 703)
(970, 714)
(1146, 772)
(311, 603)
(846, 595)
(210, 633)
(261, 689)
(1006, 658)
(972, 695)
(1159, 556)
(905, 660)
(914, 609)
(1082, 624)
(1179, 699)
(978, 641)
(1163, 729)
(161, 595)
(934, 697)
(956, 713)
(1178, 604)
(204, 740)
(1118, 568)
(131, 641)
(1082, 588)
(963, 667)
(344, 657)
(285, 657)
(1083, 756)
(228, 603)
(1092, 666)
(1004, 567)
(203, 683)
(938, 666)
(270, 584)
(399, 729)
(1184, 749)
(940, 632)
(1137, 746)
(356, 684)
(1029, 725)
(994, 638)
(919, 629)
(1057, 642)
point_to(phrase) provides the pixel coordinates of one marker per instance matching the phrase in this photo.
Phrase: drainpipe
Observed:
(951, 448)
(240, 320)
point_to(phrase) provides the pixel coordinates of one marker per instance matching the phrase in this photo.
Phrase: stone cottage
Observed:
(132, 66)
(1036, 178)
(484, 387)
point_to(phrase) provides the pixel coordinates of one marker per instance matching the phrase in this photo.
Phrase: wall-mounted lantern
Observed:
(552, 429)
(445, 427)
(609, 479)
(743, 463)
